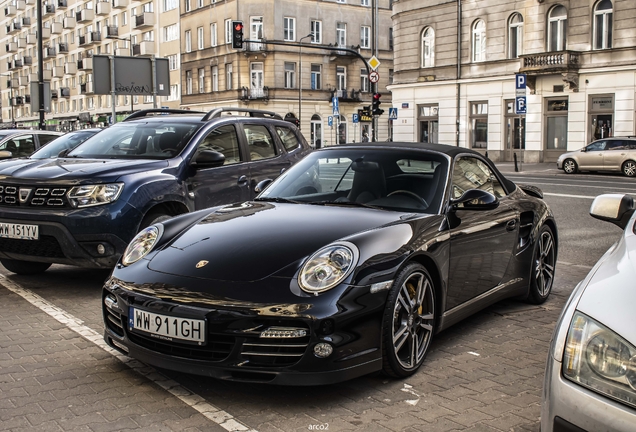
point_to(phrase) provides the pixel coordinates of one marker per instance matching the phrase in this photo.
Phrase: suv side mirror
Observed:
(209, 159)
(475, 199)
(614, 208)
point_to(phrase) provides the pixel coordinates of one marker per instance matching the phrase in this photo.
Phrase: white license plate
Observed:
(19, 231)
(166, 327)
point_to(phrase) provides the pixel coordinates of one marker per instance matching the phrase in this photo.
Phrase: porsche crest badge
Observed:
(202, 263)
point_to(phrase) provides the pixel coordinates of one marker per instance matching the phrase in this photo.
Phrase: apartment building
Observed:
(73, 31)
(297, 82)
(579, 57)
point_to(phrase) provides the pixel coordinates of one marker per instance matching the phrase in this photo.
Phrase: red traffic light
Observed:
(238, 26)
(376, 96)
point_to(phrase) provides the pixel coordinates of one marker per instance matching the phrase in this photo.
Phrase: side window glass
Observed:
(471, 173)
(616, 145)
(225, 141)
(259, 142)
(288, 137)
(596, 146)
(20, 146)
(45, 139)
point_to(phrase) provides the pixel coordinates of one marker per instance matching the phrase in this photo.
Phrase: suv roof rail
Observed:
(252, 112)
(144, 113)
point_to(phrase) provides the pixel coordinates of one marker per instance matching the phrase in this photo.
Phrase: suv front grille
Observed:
(47, 196)
(45, 246)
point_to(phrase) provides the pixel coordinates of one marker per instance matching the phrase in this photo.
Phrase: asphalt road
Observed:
(483, 374)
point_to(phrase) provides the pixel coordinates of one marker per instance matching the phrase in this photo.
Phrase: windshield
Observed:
(137, 140)
(390, 179)
(65, 142)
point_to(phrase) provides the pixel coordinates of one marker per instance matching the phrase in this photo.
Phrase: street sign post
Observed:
(520, 109)
(393, 113)
(330, 121)
(374, 77)
(336, 108)
(355, 118)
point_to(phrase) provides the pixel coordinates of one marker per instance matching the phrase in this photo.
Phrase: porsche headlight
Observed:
(93, 195)
(141, 245)
(600, 359)
(328, 267)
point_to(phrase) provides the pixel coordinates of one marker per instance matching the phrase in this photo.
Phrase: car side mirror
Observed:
(209, 159)
(5, 154)
(615, 208)
(261, 185)
(584, 149)
(475, 199)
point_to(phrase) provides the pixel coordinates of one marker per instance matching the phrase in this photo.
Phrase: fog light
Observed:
(323, 350)
(284, 332)
(110, 301)
(101, 249)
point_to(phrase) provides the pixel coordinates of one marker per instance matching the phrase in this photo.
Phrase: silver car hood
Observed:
(610, 296)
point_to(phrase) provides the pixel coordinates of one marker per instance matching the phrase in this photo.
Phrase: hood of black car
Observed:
(60, 169)
(250, 241)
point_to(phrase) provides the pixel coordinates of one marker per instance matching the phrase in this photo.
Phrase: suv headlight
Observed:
(141, 245)
(598, 358)
(328, 267)
(92, 195)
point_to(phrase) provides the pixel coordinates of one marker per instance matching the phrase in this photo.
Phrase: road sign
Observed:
(393, 114)
(374, 77)
(374, 62)
(520, 105)
(330, 121)
(355, 118)
(520, 81)
(336, 108)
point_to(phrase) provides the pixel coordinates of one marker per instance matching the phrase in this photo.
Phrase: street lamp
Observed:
(300, 76)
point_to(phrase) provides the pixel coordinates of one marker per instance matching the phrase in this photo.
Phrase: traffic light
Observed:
(375, 105)
(237, 34)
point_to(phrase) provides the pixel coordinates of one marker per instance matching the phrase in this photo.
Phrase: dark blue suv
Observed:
(84, 207)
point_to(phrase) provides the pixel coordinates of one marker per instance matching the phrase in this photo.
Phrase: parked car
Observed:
(590, 379)
(347, 264)
(609, 154)
(16, 143)
(66, 143)
(84, 208)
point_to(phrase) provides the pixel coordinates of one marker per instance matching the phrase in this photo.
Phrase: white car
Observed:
(590, 379)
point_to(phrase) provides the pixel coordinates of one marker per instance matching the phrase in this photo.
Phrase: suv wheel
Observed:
(24, 267)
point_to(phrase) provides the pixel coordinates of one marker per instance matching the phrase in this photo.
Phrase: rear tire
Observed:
(24, 267)
(629, 168)
(543, 265)
(570, 166)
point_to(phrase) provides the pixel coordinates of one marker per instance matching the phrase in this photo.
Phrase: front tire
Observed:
(543, 264)
(570, 166)
(629, 168)
(24, 267)
(408, 322)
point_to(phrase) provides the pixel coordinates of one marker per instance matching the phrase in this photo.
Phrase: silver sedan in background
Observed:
(590, 379)
(617, 154)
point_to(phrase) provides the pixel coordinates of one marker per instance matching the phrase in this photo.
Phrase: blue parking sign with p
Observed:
(520, 105)
(520, 81)
(330, 121)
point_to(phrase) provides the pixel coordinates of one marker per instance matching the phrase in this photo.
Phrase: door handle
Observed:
(511, 225)
(242, 180)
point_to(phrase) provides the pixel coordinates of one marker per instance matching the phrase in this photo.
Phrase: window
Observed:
(228, 76)
(288, 138)
(557, 28)
(259, 142)
(201, 80)
(147, 7)
(256, 79)
(170, 33)
(174, 92)
(228, 31)
(428, 47)
(256, 29)
(515, 36)
(188, 7)
(316, 32)
(364, 3)
(200, 40)
(365, 37)
(169, 5)
(124, 18)
(215, 78)
(341, 34)
(364, 80)
(479, 41)
(213, 40)
(225, 141)
(173, 61)
(289, 29)
(189, 82)
(290, 75)
(603, 14)
(199, 3)
(391, 38)
(479, 124)
(316, 70)
(341, 77)
(390, 76)
(188, 41)
(472, 173)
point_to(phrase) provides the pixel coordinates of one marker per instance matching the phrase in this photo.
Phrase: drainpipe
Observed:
(459, 67)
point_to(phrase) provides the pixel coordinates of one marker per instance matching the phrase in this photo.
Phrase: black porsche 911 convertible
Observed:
(348, 263)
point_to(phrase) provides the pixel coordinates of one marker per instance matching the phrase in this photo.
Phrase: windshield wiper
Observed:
(345, 204)
(279, 200)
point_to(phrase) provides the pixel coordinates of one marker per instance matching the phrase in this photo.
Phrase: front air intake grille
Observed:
(274, 351)
(43, 197)
(46, 246)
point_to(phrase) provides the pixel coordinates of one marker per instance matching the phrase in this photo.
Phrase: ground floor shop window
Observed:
(428, 118)
(479, 124)
(601, 116)
(515, 131)
(557, 124)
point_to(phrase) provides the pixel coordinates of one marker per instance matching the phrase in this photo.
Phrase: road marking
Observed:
(609, 187)
(569, 196)
(193, 400)
(619, 180)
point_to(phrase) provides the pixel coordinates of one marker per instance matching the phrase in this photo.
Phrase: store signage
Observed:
(602, 103)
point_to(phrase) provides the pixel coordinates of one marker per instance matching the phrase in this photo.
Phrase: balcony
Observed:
(346, 53)
(29, 2)
(18, 100)
(144, 48)
(256, 46)
(260, 93)
(62, 4)
(11, 47)
(46, 33)
(26, 21)
(10, 11)
(57, 71)
(70, 68)
(54, 94)
(56, 28)
(93, 37)
(27, 60)
(87, 64)
(47, 75)
(16, 64)
(49, 52)
(102, 8)
(87, 88)
(145, 20)
(112, 31)
(20, 5)
(62, 48)
(48, 10)
(120, 4)
(14, 27)
(65, 92)
(22, 42)
(85, 15)
(346, 96)
(31, 39)
(13, 83)
(69, 22)
(566, 63)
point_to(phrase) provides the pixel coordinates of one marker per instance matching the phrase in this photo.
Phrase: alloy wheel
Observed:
(629, 168)
(544, 263)
(569, 166)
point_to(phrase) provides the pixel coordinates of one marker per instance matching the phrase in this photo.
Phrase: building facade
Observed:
(579, 57)
(73, 31)
(297, 82)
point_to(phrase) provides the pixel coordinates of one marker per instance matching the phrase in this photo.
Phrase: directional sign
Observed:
(374, 62)
(520, 105)
(393, 114)
(330, 121)
(374, 77)
(355, 118)
(336, 108)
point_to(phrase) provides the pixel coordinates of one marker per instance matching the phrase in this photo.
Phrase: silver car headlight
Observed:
(328, 267)
(93, 195)
(141, 245)
(598, 358)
